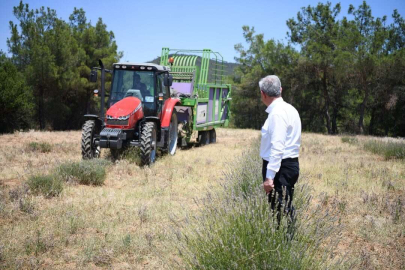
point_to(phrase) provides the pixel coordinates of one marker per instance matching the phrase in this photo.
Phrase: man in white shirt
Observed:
(280, 144)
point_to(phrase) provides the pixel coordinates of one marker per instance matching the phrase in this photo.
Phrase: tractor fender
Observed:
(167, 111)
(155, 120)
(96, 118)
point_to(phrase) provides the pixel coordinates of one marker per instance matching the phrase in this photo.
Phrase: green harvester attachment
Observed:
(199, 82)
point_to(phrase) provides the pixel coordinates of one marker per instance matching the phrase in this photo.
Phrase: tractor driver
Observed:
(140, 85)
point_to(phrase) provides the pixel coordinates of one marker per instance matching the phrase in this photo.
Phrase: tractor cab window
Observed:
(162, 88)
(159, 86)
(140, 84)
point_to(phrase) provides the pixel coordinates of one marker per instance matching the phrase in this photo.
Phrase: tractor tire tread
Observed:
(145, 143)
(87, 134)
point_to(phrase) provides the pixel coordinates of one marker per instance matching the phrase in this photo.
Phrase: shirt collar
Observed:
(273, 104)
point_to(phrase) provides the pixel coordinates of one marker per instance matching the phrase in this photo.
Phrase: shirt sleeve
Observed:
(278, 134)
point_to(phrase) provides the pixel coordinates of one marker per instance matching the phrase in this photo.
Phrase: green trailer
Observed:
(199, 83)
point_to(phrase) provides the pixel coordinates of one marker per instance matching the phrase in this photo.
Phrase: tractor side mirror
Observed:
(168, 80)
(93, 76)
(100, 63)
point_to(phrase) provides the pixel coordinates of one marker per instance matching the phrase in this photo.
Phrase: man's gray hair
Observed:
(271, 86)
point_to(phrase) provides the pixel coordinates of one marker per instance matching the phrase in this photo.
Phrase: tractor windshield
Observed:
(129, 83)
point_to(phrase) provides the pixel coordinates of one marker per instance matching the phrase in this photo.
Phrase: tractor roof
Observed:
(158, 67)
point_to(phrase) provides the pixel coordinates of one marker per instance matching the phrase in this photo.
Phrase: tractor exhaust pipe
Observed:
(102, 89)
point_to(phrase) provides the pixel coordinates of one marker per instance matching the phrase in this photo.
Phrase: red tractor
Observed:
(140, 112)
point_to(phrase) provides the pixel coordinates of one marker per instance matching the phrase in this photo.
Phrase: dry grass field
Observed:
(369, 192)
(127, 222)
(123, 224)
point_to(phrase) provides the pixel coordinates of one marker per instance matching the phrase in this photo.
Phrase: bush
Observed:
(86, 172)
(47, 185)
(389, 150)
(238, 229)
(350, 140)
(131, 154)
(42, 147)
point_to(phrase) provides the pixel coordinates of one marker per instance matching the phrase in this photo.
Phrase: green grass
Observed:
(238, 230)
(86, 172)
(47, 185)
(390, 150)
(42, 147)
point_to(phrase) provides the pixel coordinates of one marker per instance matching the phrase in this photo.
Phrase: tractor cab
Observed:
(144, 81)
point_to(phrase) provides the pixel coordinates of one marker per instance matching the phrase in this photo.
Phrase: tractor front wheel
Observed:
(148, 144)
(89, 148)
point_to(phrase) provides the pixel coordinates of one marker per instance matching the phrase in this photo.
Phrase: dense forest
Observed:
(348, 75)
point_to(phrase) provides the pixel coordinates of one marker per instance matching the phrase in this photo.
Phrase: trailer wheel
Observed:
(148, 144)
(173, 135)
(89, 148)
(203, 138)
(213, 136)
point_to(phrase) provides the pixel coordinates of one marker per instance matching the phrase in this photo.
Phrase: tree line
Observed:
(347, 77)
(44, 84)
(343, 75)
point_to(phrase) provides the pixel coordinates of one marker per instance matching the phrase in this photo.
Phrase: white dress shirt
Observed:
(281, 135)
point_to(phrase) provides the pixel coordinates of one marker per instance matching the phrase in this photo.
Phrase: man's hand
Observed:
(268, 185)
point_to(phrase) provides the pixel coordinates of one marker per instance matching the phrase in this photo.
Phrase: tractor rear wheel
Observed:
(173, 135)
(148, 144)
(89, 148)
(213, 136)
(203, 138)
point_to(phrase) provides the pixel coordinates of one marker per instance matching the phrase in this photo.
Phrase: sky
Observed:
(143, 27)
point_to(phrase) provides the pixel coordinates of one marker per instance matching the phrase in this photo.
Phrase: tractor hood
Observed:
(125, 113)
(124, 107)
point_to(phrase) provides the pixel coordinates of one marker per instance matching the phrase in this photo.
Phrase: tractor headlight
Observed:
(109, 117)
(124, 117)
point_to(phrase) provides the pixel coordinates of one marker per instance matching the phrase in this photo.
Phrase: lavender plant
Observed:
(238, 230)
(390, 150)
(86, 172)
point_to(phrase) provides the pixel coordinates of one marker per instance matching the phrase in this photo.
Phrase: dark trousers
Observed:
(284, 182)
